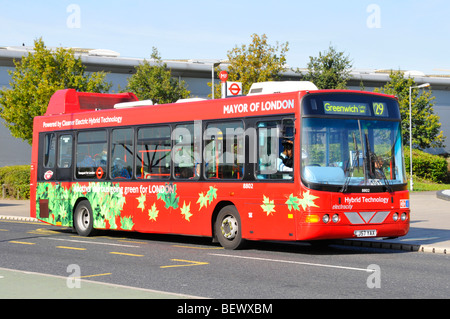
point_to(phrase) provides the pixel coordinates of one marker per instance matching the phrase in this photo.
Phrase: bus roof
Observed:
(70, 101)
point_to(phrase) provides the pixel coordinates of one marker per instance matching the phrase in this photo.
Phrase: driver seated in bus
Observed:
(286, 160)
(376, 169)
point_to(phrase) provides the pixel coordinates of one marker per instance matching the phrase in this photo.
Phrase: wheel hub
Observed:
(84, 219)
(229, 227)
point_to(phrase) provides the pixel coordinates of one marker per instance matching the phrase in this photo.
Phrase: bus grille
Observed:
(366, 217)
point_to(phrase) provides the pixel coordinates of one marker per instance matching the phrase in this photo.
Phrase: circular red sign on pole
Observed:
(223, 76)
(234, 89)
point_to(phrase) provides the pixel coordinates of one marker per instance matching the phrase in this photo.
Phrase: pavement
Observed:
(429, 229)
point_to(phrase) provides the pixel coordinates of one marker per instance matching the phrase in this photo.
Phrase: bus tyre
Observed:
(83, 219)
(227, 228)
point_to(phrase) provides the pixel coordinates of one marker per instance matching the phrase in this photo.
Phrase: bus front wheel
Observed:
(227, 228)
(83, 219)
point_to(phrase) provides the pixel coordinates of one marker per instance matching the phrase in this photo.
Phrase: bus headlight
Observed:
(326, 218)
(403, 217)
(335, 218)
(395, 217)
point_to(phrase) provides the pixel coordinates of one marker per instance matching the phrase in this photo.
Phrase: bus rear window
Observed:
(49, 150)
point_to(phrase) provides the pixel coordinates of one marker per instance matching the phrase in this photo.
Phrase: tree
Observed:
(257, 62)
(330, 70)
(426, 131)
(154, 81)
(36, 77)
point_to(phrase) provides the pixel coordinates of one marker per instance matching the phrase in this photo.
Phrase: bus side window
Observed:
(122, 153)
(183, 159)
(92, 154)
(224, 150)
(49, 150)
(153, 153)
(274, 152)
(65, 151)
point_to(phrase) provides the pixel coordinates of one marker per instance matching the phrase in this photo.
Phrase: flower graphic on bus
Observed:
(105, 198)
(306, 201)
(186, 211)
(268, 206)
(126, 223)
(141, 199)
(153, 212)
(169, 196)
(206, 199)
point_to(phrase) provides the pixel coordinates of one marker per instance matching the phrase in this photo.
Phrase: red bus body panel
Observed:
(268, 210)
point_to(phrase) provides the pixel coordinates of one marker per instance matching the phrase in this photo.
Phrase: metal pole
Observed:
(410, 131)
(212, 81)
(410, 143)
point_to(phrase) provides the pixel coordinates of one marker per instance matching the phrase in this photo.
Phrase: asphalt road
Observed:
(41, 261)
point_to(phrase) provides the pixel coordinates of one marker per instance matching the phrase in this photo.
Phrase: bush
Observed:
(427, 166)
(16, 179)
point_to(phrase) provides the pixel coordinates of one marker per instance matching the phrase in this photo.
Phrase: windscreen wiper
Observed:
(352, 167)
(372, 161)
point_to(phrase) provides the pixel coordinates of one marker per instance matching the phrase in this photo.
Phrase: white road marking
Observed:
(295, 262)
(91, 242)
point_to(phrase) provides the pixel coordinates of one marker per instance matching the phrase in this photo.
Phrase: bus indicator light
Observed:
(311, 219)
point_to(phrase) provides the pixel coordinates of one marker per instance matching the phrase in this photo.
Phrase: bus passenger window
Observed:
(65, 151)
(185, 167)
(153, 153)
(224, 150)
(275, 152)
(122, 153)
(92, 155)
(49, 150)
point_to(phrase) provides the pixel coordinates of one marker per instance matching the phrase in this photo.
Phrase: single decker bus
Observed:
(287, 162)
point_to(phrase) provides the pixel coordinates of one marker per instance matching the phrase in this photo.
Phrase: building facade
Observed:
(197, 74)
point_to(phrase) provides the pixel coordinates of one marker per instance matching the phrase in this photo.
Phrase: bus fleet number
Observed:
(247, 186)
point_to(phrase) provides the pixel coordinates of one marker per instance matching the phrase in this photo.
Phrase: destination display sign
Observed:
(340, 104)
(355, 108)
(346, 108)
(380, 109)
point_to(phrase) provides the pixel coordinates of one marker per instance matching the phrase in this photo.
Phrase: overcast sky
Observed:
(385, 34)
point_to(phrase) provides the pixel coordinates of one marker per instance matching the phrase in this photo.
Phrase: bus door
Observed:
(55, 164)
(64, 165)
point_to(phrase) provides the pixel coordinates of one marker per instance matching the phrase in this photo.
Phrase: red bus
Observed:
(291, 166)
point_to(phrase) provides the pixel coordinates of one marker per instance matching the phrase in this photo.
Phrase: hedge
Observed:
(427, 166)
(15, 180)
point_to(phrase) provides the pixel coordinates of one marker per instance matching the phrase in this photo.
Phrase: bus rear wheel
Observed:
(227, 228)
(83, 219)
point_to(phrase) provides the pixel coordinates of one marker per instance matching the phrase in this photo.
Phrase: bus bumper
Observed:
(317, 227)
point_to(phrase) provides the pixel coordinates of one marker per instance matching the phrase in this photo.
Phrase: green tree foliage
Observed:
(154, 81)
(257, 62)
(330, 70)
(426, 125)
(36, 77)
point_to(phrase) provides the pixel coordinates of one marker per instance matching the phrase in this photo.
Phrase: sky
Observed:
(375, 34)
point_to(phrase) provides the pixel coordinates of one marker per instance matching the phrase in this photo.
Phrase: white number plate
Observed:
(365, 233)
